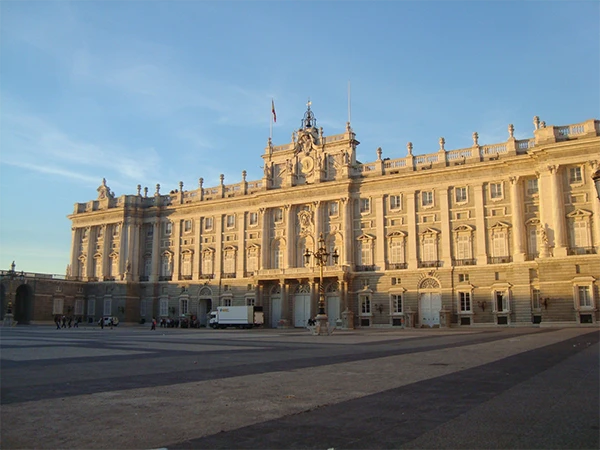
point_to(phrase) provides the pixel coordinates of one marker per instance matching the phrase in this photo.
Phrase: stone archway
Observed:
(23, 305)
(430, 302)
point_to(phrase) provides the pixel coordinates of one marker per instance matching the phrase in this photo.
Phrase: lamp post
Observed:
(320, 256)
(12, 275)
(596, 178)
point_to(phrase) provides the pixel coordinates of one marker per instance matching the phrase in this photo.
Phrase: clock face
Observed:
(307, 164)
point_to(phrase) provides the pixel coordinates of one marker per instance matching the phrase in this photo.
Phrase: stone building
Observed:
(499, 234)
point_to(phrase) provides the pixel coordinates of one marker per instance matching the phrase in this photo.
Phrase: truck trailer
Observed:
(237, 316)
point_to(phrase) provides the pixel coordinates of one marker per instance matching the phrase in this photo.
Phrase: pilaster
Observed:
(518, 225)
(480, 231)
(558, 212)
(445, 226)
(411, 219)
(380, 231)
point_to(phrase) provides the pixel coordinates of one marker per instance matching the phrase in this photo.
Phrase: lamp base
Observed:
(322, 326)
(8, 320)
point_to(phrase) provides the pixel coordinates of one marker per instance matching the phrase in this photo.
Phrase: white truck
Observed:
(237, 316)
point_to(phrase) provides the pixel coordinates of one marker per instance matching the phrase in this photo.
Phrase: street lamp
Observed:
(596, 178)
(320, 257)
(12, 275)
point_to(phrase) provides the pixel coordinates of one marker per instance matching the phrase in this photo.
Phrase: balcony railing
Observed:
(249, 274)
(206, 276)
(144, 278)
(397, 266)
(581, 251)
(464, 262)
(366, 268)
(185, 277)
(164, 278)
(499, 259)
(228, 275)
(430, 264)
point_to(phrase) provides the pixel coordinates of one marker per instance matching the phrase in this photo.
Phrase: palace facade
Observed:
(500, 234)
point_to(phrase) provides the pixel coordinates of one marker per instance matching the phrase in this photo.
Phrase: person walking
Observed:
(102, 322)
(57, 322)
(153, 324)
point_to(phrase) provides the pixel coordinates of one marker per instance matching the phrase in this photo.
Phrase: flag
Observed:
(273, 111)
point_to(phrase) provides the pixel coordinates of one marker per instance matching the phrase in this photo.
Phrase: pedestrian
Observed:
(153, 324)
(76, 323)
(70, 321)
(111, 323)
(57, 322)
(64, 322)
(102, 322)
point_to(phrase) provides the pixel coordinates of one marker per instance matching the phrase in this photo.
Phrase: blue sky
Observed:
(146, 92)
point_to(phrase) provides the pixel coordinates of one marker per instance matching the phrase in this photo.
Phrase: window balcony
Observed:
(206, 276)
(164, 278)
(185, 277)
(430, 264)
(366, 268)
(532, 256)
(464, 262)
(397, 266)
(249, 274)
(581, 251)
(228, 275)
(144, 278)
(499, 259)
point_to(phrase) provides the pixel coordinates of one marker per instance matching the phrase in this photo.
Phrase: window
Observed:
(208, 223)
(501, 301)
(207, 262)
(463, 277)
(114, 266)
(168, 228)
(532, 186)
(533, 241)
(187, 226)
(580, 234)
(107, 307)
(427, 198)
(186, 264)
(365, 252)
(278, 215)
(535, 299)
(334, 209)
(277, 255)
(165, 265)
(365, 305)
(91, 307)
(495, 190)
(84, 233)
(575, 175)
(397, 251)
(183, 306)
(253, 218)
(460, 194)
(252, 259)
(150, 231)
(365, 205)
(499, 243)
(396, 303)
(464, 302)
(164, 306)
(116, 229)
(429, 248)
(584, 299)
(98, 267)
(395, 202)
(100, 232)
(57, 306)
(250, 301)
(230, 221)
(227, 301)
(147, 266)
(464, 247)
(229, 261)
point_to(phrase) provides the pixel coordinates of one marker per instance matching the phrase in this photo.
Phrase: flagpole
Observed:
(349, 105)
(271, 121)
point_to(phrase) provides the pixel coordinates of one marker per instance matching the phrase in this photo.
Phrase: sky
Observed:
(147, 92)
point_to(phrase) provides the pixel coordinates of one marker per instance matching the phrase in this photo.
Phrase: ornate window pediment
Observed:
(366, 237)
(205, 292)
(500, 226)
(429, 231)
(580, 214)
(429, 283)
(397, 234)
(464, 229)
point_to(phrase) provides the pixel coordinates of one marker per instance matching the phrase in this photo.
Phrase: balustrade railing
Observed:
(430, 264)
(499, 259)
(464, 262)
(397, 266)
(581, 251)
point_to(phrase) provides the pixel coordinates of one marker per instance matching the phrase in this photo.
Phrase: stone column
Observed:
(197, 247)
(595, 207)
(137, 253)
(75, 240)
(264, 238)
(480, 231)
(240, 267)
(285, 302)
(558, 212)
(177, 249)
(347, 257)
(218, 263)
(413, 239)
(155, 250)
(318, 220)
(123, 227)
(446, 238)
(289, 237)
(380, 231)
(518, 223)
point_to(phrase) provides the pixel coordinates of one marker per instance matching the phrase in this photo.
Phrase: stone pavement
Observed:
(132, 388)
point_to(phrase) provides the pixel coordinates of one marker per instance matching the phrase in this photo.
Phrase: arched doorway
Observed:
(430, 302)
(302, 305)
(204, 305)
(23, 305)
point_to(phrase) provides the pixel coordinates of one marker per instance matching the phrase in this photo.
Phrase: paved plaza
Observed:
(132, 388)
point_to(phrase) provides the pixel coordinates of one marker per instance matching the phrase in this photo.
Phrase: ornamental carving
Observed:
(429, 283)
(305, 220)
